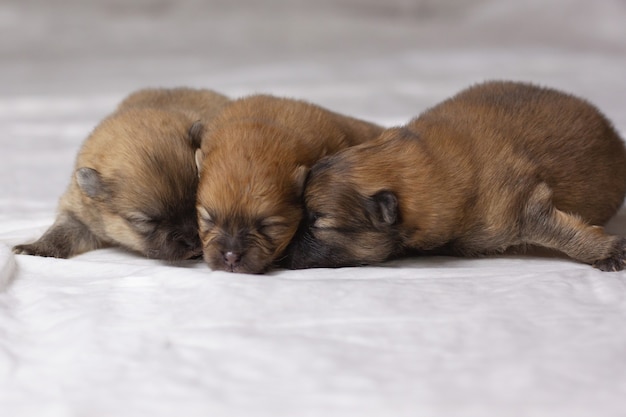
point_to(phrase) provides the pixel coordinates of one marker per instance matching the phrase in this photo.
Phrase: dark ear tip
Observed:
(89, 181)
(300, 176)
(388, 206)
(84, 175)
(195, 134)
(386, 195)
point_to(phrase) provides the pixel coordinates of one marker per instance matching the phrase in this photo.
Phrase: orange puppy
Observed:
(253, 164)
(501, 164)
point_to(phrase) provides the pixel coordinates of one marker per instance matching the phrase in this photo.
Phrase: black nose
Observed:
(231, 259)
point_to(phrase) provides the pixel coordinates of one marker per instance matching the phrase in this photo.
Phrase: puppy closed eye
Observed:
(141, 222)
(272, 226)
(206, 222)
(320, 221)
(314, 221)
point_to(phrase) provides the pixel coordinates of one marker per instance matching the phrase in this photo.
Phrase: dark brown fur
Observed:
(135, 180)
(254, 161)
(499, 165)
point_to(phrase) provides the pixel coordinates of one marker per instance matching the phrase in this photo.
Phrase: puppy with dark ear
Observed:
(385, 206)
(499, 165)
(134, 183)
(253, 164)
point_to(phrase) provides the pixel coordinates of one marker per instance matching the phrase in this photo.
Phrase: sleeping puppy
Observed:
(134, 183)
(253, 163)
(499, 165)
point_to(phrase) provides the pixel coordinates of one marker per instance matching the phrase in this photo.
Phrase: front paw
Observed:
(38, 249)
(615, 262)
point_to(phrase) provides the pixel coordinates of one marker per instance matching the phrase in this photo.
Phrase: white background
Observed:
(109, 333)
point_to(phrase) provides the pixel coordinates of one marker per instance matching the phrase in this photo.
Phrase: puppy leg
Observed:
(545, 225)
(67, 237)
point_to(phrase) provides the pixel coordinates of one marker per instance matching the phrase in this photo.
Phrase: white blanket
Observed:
(109, 333)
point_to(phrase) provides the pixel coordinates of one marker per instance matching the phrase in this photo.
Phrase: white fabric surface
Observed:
(109, 333)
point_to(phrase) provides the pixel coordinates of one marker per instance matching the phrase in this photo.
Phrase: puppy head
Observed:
(137, 183)
(248, 206)
(351, 217)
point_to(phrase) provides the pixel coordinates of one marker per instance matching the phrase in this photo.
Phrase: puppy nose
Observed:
(231, 258)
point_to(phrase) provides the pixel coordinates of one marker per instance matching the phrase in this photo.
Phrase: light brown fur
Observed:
(135, 180)
(254, 161)
(499, 165)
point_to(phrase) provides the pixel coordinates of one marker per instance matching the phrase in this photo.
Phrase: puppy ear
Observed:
(384, 207)
(91, 183)
(299, 176)
(195, 134)
(199, 156)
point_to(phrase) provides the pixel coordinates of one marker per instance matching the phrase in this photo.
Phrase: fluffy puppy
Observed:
(134, 183)
(253, 163)
(501, 164)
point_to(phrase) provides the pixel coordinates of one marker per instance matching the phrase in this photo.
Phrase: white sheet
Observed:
(109, 333)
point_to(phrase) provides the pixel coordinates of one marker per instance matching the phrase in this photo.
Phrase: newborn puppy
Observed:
(134, 183)
(253, 163)
(501, 164)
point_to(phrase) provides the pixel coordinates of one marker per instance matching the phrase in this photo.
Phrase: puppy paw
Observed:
(40, 250)
(615, 262)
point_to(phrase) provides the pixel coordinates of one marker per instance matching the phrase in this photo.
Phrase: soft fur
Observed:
(134, 183)
(253, 164)
(499, 165)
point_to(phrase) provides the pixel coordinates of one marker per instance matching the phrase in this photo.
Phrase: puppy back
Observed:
(311, 130)
(533, 131)
(207, 103)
